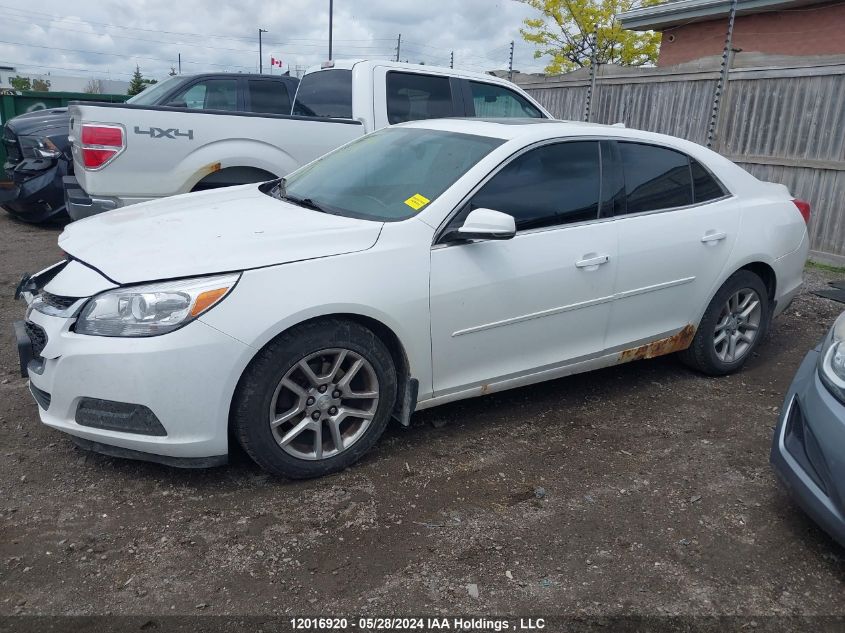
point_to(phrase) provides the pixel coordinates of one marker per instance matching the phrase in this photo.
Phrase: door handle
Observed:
(711, 237)
(592, 262)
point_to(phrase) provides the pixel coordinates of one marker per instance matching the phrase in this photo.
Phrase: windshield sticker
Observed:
(417, 201)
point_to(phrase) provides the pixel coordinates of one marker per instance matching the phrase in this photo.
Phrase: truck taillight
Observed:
(803, 209)
(100, 144)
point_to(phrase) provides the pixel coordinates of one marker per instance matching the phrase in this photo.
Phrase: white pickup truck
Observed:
(125, 154)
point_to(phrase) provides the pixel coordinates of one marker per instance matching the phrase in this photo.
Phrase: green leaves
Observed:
(565, 32)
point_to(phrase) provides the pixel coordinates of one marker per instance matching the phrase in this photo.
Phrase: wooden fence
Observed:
(783, 123)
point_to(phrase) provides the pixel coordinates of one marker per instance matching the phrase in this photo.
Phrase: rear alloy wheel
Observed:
(315, 399)
(733, 325)
(738, 325)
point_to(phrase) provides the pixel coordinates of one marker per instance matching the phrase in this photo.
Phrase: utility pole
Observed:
(331, 15)
(452, 59)
(260, 52)
(721, 84)
(180, 63)
(510, 64)
(398, 46)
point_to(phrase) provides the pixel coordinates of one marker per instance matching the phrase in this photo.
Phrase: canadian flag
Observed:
(275, 62)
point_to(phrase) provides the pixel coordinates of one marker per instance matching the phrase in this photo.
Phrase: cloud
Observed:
(108, 38)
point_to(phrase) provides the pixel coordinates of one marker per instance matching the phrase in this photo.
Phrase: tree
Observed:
(566, 29)
(172, 72)
(21, 83)
(137, 84)
(41, 85)
(94, 87)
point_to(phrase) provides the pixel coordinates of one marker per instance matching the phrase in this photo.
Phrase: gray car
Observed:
(808, 448)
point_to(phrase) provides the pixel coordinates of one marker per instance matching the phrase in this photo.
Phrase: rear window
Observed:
(655, 177)
(325, 93)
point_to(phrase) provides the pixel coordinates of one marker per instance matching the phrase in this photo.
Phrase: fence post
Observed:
(722, 82)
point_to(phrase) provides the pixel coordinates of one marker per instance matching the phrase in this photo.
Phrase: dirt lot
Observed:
(639, 489)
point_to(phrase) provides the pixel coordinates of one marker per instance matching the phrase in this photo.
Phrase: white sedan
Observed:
(421, 264)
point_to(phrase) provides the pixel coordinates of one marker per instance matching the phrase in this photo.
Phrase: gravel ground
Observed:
(640, 489)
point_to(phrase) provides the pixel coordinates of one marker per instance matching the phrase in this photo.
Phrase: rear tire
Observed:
(315, 399)
(736, 320)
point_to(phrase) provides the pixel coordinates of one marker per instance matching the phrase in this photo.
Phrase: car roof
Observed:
(527, 131)
(348, 64)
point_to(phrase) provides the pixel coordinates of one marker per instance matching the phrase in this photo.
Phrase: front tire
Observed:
(735, 322)
(315, 399)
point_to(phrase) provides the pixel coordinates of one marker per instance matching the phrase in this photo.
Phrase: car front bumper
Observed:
(183, 381)
(34, 192)
(808, 448)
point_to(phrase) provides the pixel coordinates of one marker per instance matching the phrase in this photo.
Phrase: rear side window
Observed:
(492, 101)
(655, 177)
(269, 97)
(325, 93)
(411, 97)
(705, 186)
(211, 94)
(547, 186)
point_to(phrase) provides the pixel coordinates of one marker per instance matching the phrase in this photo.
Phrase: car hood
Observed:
(222, 230)
(41, 122)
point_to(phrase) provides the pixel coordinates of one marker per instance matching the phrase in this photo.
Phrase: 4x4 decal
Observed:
(157, 132)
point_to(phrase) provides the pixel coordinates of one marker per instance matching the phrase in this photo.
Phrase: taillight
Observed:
(803, 209)
(100, 144)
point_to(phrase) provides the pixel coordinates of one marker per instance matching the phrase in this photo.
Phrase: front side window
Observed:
(212, 94)
(388, 175)
(551, 185)
(655, 177)
(269, 97)
(325, 93)
(492, 101)
(411, 97)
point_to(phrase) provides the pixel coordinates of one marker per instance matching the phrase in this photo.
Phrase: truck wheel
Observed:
(733, 325)
(315, 399)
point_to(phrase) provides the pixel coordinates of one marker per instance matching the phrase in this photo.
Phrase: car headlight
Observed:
(152, 309)
(832, 359)
(39, 147)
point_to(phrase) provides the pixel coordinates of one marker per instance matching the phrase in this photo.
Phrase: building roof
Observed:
(660, 16)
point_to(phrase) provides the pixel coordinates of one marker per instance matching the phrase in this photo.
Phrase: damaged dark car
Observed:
(37, 158)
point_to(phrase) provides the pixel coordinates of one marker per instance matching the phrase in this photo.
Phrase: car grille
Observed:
(38, 338)
(58, 302)
(802, 444)
(41, 397)
(13, 150)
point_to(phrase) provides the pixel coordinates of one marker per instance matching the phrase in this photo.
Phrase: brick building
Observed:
(693, 29)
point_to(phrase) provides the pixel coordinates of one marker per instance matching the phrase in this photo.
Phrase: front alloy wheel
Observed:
(315, 399)
(324, 404)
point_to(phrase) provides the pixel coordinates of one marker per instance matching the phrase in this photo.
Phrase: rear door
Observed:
(677, 228)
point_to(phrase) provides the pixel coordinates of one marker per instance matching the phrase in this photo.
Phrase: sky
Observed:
(105, 39)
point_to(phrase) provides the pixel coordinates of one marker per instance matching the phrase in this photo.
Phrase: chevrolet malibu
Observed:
(422, 264)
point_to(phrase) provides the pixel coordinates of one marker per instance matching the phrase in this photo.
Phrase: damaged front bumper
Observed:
(33, 191)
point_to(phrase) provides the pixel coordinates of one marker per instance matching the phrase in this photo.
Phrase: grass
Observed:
(826, 267)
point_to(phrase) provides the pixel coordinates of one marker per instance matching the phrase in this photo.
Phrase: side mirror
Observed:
(484, 224)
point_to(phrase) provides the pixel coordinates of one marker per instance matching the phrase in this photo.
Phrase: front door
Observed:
(504, 309)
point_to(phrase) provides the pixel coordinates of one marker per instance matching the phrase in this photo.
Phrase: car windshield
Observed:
(151, 95)
(388, 175)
